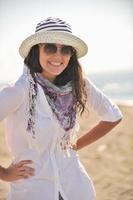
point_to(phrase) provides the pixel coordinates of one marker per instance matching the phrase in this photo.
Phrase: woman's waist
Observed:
(48, 164)
(42, 164)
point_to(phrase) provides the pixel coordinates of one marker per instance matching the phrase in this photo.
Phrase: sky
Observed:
(105, 25)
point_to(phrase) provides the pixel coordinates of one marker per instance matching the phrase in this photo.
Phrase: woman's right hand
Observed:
(17, 171)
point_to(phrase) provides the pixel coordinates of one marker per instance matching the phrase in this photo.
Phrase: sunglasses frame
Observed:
(65, 50)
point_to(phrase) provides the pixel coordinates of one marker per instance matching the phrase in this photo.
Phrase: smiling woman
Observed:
(41, 117)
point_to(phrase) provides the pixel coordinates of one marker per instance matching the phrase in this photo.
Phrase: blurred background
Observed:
(107, 27)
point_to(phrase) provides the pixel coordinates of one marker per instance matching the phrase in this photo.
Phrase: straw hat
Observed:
(53, 30)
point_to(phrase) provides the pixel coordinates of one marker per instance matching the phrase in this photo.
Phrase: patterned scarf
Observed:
(60, 100)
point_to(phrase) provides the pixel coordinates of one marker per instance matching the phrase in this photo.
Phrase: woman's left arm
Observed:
(94, 134)
(107, 110)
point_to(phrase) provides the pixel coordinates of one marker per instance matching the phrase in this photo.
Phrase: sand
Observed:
(108, 161)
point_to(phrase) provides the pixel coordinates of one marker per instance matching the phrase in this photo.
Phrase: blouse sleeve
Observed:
(101, 104)
(11, 97)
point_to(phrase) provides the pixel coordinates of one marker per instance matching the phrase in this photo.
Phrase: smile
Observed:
(56, 64)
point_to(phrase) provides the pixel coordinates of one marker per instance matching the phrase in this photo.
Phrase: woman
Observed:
(40, 111)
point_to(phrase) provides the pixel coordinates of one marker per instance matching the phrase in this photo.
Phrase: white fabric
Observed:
(101, 104)
(54, 170)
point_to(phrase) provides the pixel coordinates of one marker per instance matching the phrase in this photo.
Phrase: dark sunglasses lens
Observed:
(67, 50)
(50, 48)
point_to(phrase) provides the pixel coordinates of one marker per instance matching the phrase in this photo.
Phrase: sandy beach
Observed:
(108, 161)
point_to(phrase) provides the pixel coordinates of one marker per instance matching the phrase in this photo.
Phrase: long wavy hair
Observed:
(73, 72)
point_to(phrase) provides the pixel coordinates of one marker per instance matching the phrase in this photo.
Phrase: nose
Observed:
(58, 51)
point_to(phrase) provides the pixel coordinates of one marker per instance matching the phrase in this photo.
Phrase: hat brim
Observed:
(53, 37)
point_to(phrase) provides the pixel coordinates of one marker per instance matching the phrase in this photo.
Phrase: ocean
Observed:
(117, 85)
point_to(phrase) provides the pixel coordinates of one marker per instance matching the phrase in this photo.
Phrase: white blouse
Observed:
(56, 170)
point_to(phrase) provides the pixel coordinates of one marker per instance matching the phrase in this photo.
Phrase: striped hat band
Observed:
(53, 24)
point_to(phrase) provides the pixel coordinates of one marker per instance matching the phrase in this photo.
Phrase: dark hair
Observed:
(73, 73)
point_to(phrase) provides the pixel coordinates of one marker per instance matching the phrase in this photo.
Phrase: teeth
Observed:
(56, 63)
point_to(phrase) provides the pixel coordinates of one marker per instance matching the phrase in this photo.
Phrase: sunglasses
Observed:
(51, 48)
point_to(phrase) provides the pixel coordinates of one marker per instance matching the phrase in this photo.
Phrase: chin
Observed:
(57, 73)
